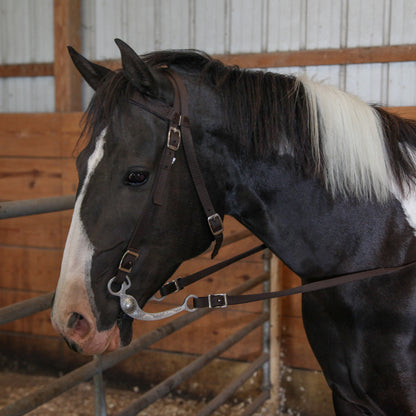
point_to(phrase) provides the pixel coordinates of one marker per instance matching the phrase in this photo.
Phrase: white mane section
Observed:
(348, 135)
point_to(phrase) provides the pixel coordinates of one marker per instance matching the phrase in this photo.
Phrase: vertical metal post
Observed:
(99, 393)
(266, 325)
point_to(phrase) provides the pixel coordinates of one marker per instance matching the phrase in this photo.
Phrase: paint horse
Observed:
(324, 180)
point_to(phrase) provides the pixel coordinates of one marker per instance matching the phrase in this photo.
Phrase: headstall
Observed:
(179, 134)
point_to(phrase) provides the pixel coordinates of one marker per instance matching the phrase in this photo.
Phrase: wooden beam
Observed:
(361, 55)
(67, 31)
(406, 112)
(372, 54)
(26, 70)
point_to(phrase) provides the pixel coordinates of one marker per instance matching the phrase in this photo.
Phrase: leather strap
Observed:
(179, 132)
(181, 282)
(214, 220)
(223, 300)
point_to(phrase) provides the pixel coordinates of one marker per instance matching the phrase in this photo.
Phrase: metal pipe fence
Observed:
(94, 369)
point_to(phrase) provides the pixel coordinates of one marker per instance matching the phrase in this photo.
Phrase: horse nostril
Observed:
(78, 324)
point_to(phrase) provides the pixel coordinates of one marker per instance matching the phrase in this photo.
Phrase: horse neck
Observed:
(316, 235)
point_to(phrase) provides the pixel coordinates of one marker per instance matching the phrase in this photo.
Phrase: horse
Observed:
(326, 181)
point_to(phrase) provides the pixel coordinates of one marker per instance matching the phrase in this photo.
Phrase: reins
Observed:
(223, 300)
(179, 134)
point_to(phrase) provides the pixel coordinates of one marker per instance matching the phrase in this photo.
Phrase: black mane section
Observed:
(265, 112)
(400, 136)
(114, 90)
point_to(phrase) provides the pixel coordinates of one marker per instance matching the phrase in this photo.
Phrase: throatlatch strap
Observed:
(214, 219)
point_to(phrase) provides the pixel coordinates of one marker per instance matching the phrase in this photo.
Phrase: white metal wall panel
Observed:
(211, 26)
(366, 22)
(217, 26)
(403, 22)
(142, 32)
(26, 35)
(323, 24)
(286, 25)
(402, 84)
(246, 25)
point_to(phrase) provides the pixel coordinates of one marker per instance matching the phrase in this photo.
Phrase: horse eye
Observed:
(136, 177)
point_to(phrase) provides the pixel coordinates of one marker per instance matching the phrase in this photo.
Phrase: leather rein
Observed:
(179, 133)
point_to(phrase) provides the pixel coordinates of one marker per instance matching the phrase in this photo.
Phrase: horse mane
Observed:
(355, 149)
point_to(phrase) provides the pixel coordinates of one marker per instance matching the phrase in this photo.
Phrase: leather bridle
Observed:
(179, 134)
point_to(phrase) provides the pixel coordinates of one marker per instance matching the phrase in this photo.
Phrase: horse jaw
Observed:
(74, 296)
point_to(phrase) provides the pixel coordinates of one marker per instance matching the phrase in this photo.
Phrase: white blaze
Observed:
(73, 292)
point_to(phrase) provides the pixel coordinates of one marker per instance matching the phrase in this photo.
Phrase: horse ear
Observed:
(137, 71)
(92, 73)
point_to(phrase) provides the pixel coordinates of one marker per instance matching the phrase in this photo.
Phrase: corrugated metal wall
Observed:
(217, 26)
(26, 35)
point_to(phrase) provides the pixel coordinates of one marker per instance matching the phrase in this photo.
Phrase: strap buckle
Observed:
(215, 224)
(174, 138)
(127, 264)
(172, 287)
(218, 300)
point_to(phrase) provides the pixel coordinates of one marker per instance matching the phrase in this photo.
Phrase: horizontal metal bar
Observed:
(25, 308)
(87, 371)
(226, 393)
(173, 381)
(12, 209)
(257, 402)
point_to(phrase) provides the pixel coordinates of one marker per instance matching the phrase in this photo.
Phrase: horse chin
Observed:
(125, 327)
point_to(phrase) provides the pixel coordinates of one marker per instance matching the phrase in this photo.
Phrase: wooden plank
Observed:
(26, 70)
(67, 31)
(342, 56)
(43, 231)
(314, 57)
(25, 178)
(39, 134)
(406, 112)
(295, 345)
(209, 331)
(30, 269)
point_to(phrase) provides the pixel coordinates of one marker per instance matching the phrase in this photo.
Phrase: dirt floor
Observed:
(79, 401)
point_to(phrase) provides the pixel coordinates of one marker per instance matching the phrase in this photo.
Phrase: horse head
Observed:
(118, 170)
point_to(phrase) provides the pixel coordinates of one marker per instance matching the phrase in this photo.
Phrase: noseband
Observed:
(179, 134)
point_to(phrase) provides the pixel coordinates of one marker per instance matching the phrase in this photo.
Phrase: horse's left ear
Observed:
(137, 71)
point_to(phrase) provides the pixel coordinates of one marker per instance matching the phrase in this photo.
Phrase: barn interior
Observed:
(367, 48)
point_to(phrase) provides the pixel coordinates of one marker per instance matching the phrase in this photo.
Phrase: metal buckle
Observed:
(220, 300)
(174, 138)
(125, 269)
(215, 224)
(173, 286)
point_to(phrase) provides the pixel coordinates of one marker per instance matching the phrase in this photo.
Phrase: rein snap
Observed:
(131, 308)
